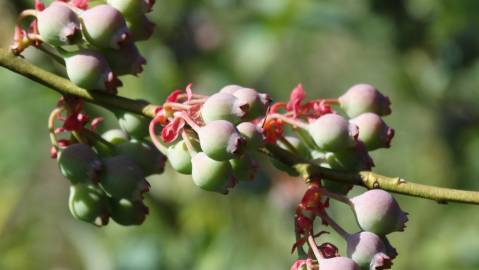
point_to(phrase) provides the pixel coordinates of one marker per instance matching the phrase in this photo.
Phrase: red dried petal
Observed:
(81, 4)
(189, 92)
(39, 5)
(303, 224)
(329, 250)
(277, 106)
(273, 130)
(95, 122)
(172, 130)
(297, 96)
(173, 97)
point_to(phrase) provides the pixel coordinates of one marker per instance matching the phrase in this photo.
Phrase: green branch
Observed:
(309, 171)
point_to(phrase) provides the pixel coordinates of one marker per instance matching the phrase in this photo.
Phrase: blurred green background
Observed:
(422, 53)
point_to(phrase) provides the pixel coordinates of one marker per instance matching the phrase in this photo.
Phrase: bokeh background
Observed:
(422, 53)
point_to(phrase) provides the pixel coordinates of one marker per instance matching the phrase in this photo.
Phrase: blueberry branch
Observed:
(309, 171)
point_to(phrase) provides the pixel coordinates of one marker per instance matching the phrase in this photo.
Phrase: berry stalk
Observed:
(309, 171)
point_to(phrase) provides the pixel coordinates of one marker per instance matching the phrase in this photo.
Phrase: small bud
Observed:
(105, 27)
(220, 140)
(145, 155)
(332, 132)
(252, 134)
(90, 70)
(337, 263)
(223, 106)
(364, 247)
(122, 178)
(141, 28)
(59, 25)
(115, 136)
(89, 203)
(128, 213)
(212, 175)
(373, 131)
(79, 163)
(362, 98)
(125, 60)
(377, 211)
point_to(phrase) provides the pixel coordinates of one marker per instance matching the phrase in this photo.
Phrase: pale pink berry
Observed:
(364, 247)
(338, 263)
(377, 211)
(332, 132)
(361, 98)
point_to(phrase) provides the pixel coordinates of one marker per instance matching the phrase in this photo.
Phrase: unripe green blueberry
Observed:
(377, 211)
(125, 60)
(141, 28)
(338, 263)
(105, 27)
(252, 134)
(366, 249)
(223, 106)
(146, 155)
(212, 175)
(131, 8)
(115, 136)
(90, 70)
(122, 178)
(244, 168)
(89, 203)
(350, 160)
(180, 158)
(332, 132)
(127, 213)
(134, 124)
(59, 25)
(220, 140)
(373, 131)
(362, 98)
(257, 102)
(79, 163)
(301, 150)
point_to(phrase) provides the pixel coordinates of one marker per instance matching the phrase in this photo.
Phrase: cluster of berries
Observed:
(328, 139)
(212, 138)
(97, 43)
(107, 173)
